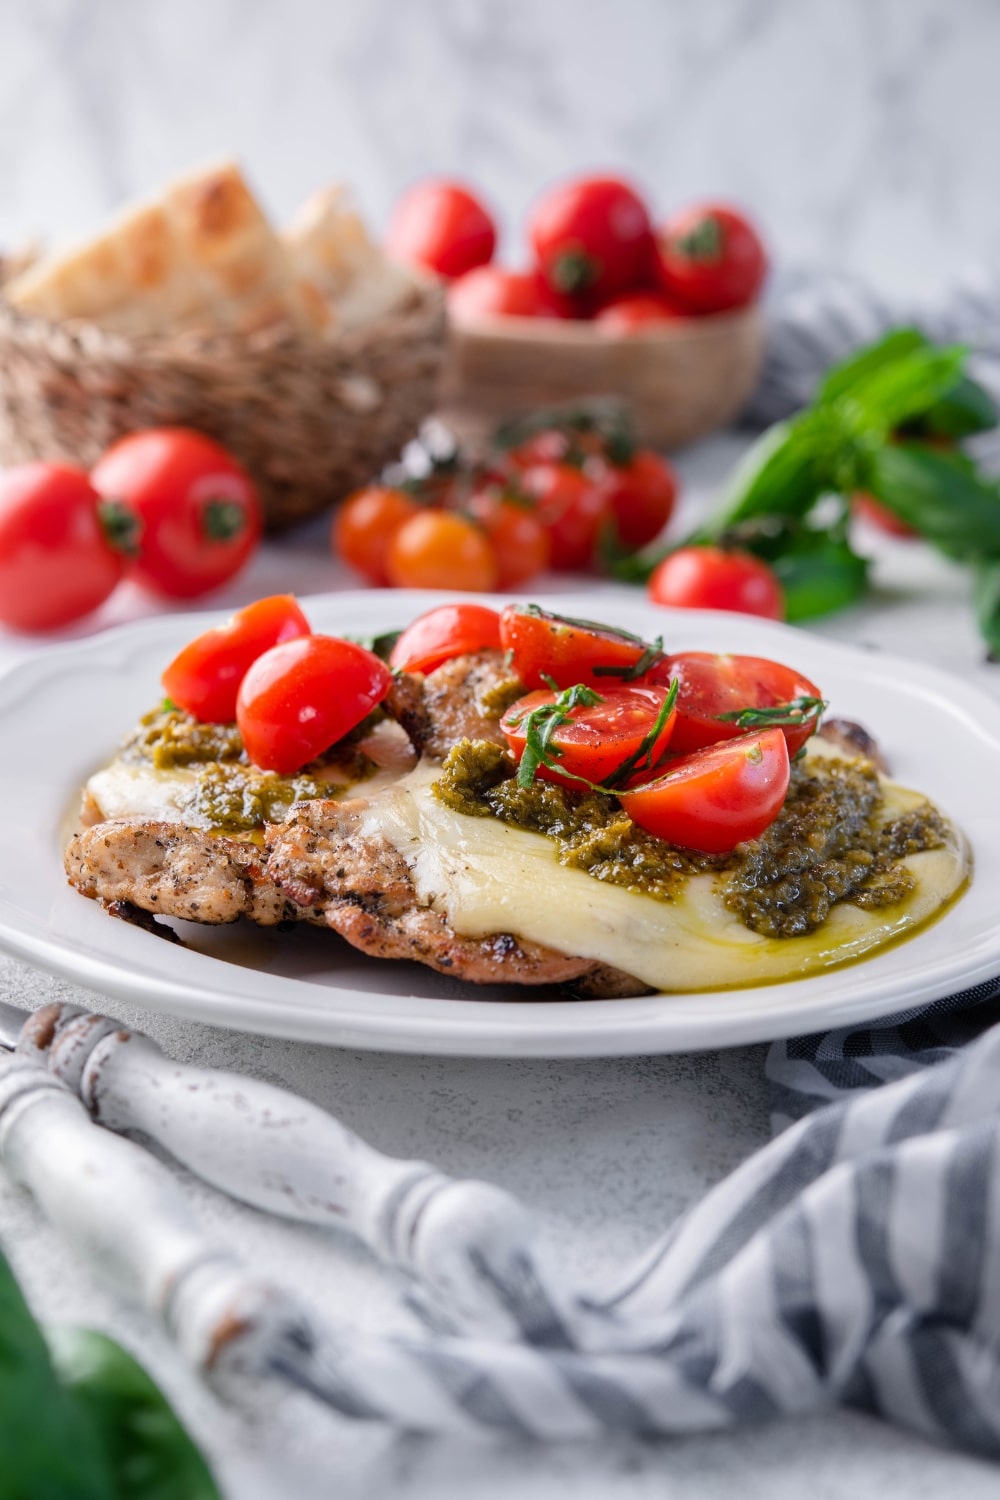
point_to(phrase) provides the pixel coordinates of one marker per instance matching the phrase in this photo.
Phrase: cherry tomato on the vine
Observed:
(711, 685)
(546, 645)
(439, 550)
(445, 632)
(867, 508)
(591, 235)
(718, 797)
(713, 578)
(205, 677)
(300, 697)
(597, 739)
(641, 495)
(711, 258)
(442, 226)
(364, 526)
(56, 561)
(571, 506)
(490, 292)
(520, 542)
(200, 518)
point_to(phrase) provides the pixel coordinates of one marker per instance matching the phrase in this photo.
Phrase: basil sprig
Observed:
(541, 723)
(777, 716)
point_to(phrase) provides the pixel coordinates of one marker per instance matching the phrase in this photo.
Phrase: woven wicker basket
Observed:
(310, 421)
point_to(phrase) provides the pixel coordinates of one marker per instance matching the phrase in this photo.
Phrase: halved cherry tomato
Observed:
(711, 578)
(569, 651)
(490, 292)
(205, 677)
(712, 685)
(636, 313)
(299, 698)
(591, 235)
(716, 798)
(597, 739)
(442, 226)
(711, 258)
(366, 523)
(450, 630)
(520, 542)
(641, 495)
(57, 559)
(200, 516)
(571, 506)
(437, 550)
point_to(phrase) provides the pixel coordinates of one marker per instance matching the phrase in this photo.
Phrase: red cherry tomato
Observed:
(637, 312)
(711, 258)
(199, 513)
(867, 508)
(591, 235)
(518, 537)
(597, 739)
(716, 798)
(56, 562)
(442, 633)
(436, 550)
(301, 697)
(571, 506)
(442, 226)
(551, 445)
(489, 292)
(364, 526)
(568, 651)
(710, 578)
(712, 685)
(641, 495)
(205, 677)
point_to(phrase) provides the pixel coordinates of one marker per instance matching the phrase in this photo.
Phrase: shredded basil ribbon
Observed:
(791, 714)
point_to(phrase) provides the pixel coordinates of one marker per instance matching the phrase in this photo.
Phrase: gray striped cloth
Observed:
(855, 1259)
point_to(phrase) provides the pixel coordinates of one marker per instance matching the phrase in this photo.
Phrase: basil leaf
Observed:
(941, 496)
(819, 582)
(50, 1448)
(858, 367)
(149, 1453)
(783, 472)
(906, 388)
(965, 409)
(986, 594)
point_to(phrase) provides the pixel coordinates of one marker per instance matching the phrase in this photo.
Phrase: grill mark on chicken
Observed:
(175, 871)
(446, 706)
(363, 885)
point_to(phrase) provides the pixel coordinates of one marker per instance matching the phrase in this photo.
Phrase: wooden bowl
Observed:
(681, 379)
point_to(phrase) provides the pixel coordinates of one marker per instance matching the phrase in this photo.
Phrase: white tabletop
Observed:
(608, 1152)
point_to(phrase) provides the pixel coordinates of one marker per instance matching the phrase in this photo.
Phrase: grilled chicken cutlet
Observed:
(180, 826)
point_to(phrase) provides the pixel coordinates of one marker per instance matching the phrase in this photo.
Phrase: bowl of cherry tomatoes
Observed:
(663, 316)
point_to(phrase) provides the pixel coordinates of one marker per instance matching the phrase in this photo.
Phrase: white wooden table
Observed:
(608, 1152)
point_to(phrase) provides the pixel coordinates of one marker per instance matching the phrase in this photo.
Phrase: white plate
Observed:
(61, 714)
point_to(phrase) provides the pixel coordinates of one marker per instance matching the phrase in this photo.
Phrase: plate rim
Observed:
(497, 1028)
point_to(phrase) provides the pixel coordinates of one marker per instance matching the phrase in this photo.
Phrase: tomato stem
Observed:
(121, 526)
(223, 520)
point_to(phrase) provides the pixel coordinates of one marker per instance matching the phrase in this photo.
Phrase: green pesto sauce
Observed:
(827, 845)
(229, 794)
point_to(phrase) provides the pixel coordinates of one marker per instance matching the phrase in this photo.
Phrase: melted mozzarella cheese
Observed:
(488, 877)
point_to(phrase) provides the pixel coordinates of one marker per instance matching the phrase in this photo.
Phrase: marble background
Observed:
(862, 132)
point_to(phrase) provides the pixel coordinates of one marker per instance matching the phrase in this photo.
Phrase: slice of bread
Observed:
(332, 250)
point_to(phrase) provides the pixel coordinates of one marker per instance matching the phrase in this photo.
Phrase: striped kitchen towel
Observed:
(854, 1259)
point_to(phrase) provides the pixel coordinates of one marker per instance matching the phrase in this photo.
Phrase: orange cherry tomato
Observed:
(301, 697)
(718, 797)
(597, 739)
(448, 631)
(569, 651)
(205, 677)
(438, 550)
(710, 578)
(711, 685)
(519, 540)
(366, 523)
